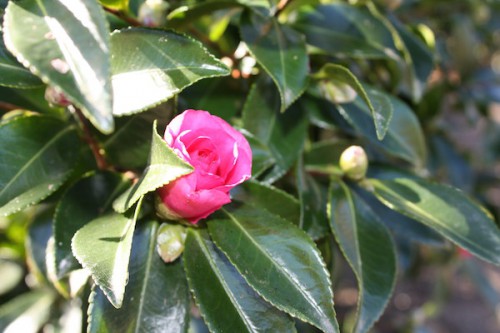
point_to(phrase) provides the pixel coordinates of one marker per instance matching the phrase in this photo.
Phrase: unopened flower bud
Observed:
(153, 13)
(170, 241)
(354, 162)
(56, 97)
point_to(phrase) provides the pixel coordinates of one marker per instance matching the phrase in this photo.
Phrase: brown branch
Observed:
(281, 6)
(93, 144)
(130, 20)
(9, 107)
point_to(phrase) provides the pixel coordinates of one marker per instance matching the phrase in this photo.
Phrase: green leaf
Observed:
(407, 229)
(13, 74)
(67, 45)
(120, 5)
(281, 51)
(164, 166)
(38, 155)
(273, 199)
(156, 298)
(83, 202)
(128, 146)
(27, 312)
(284, 134)
(379, 104)
(226, 301)
(262, 157)
(369, 249)
(446, 210)
(222, 96)
(279, 261)
(151, 66)
(345, 30)
(103, 247)
(419, 60)
(404, 138)
(325, 155)
(29, 99)
(39, 233)
(312, 195)
(185, 15)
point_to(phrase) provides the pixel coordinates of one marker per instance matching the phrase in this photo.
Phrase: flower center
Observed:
(204, 156)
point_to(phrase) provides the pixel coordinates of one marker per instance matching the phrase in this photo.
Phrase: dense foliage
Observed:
(87, 88)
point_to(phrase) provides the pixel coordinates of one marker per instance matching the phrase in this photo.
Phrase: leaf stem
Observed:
(9, 107)
(93, 144)
(130, 20)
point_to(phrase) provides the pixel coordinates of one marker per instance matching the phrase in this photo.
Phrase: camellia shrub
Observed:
(184, 166)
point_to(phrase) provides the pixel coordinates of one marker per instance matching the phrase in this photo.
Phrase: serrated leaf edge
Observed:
(45, 79)
(56, 186)
(358, 278)
(222, 282)
(284, 308)
(283, 107)
(177, 91)
(131, 224)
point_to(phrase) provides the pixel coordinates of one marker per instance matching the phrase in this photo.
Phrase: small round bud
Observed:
(354, 162)
(56, 97)
(153, 13)
(170, 241)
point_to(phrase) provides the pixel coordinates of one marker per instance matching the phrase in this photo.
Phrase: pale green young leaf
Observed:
(164, 166)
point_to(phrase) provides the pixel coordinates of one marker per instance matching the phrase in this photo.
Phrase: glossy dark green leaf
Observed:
(226, 301)
(221, 96)
(345, 30)
(379, 104)
(313, 196)
(28, 99)
(404, 138)
(156, 297)
(67, 45)
(262, 157)
(268, 197)
(13, 74)
(281, 51)
(103, 247)
(279, 261)
(164, 166)
(27, 312)
(325, 155)
(419, 59)
(83, 202)
(38, 155)
(446, 210)
(406, 228)
(368, 247)
(39, 233)
(185, 15)
(129, 145)
(151, 66)
(284, 134)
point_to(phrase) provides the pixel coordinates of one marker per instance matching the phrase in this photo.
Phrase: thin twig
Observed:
(9, 107)
(281, 6)
(93, 144)
(130, 20)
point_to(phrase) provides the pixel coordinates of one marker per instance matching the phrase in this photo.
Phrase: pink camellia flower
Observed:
(221, 157)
